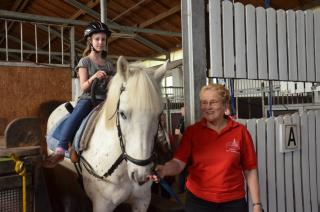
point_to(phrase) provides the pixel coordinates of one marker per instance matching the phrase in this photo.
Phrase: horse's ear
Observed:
(159, 73)
(122, 66)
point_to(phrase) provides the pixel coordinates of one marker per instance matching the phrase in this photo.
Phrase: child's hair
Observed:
(87, 50)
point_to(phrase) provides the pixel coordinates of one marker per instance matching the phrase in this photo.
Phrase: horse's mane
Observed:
(143, 92)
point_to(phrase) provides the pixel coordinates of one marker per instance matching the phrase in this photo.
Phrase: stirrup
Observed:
(73, 155)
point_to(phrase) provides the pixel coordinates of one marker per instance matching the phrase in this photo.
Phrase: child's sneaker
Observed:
(53, 159)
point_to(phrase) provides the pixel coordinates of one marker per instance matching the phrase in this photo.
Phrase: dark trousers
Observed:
(182, 180)
(195, 204)
(67, 130)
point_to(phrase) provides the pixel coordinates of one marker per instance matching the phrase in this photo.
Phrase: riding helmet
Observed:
(96, 27)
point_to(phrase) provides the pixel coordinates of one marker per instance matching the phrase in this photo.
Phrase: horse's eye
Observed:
(123, 115)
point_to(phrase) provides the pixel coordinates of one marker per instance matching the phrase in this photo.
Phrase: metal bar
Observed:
(16, 58)
(62, 58)
(262, 99)
(149, 43)
(81, 46)
(83, 7)
(137, 58)
(42, 52)
(233, 112)
(266, 3)
(26, 44)
(115, 26)
(103, 11)
(194, 55)
(16, 7)
(40, 18)
(161, 16)
(21, 41)
(6, 34)
(270, 114)
(112, 25)
(57, 34)
(36, 42)
(28, 64)
(49, 43)
(72, 48)
(128, 10)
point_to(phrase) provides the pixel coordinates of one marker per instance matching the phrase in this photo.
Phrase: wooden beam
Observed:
(16, 7)
(91, 4)
(160, 17)
(309, 5)
(128, 10)
(154, 20)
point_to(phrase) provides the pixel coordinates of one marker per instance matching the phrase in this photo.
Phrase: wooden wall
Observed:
(32, 91)
(288, 181)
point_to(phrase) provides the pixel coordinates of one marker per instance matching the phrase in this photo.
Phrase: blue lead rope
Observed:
(173, 194)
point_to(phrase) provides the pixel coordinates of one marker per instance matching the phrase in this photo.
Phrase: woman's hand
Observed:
(170, 168)
(257, 208)
(158, 174)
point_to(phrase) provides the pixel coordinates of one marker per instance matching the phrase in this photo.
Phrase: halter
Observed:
(123, 155)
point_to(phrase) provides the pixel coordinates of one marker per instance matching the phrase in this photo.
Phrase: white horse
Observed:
(123, 139)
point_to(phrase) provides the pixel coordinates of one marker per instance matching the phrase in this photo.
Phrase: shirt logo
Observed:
(233, 146)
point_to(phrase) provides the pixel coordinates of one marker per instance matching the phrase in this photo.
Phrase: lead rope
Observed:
(21, 170)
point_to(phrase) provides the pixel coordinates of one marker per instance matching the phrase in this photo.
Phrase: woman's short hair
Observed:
(220, 89)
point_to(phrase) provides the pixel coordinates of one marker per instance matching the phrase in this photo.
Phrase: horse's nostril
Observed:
(135, 179)
(142, 182)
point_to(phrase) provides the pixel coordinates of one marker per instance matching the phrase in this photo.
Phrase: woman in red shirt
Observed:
(221, 157)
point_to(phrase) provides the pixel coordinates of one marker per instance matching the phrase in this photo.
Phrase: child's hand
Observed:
(99, 75)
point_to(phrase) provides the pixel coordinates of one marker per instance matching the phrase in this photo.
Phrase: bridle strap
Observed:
(123, 155)
(114, 165)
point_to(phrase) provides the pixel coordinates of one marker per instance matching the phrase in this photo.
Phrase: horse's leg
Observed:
(99, 203)
(141, 204)
(103, 205)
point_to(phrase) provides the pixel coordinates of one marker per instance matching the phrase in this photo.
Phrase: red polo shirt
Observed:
(217, 160)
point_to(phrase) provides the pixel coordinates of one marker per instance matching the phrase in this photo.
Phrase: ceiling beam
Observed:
(115, 26)
(149, 44)
(119, 27)
(40, 18)
(90, 4)
(128, 10)
(16, 7)
(155, 19)
(16, 4)
(129, 58)
(160, 17)
(309, 5)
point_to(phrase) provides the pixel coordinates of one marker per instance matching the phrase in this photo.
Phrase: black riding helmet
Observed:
(96, 27)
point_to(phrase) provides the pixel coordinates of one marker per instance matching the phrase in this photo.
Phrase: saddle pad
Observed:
(86, 129)
(83, 134)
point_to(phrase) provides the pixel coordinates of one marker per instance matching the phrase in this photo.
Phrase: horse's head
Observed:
(135, 94)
